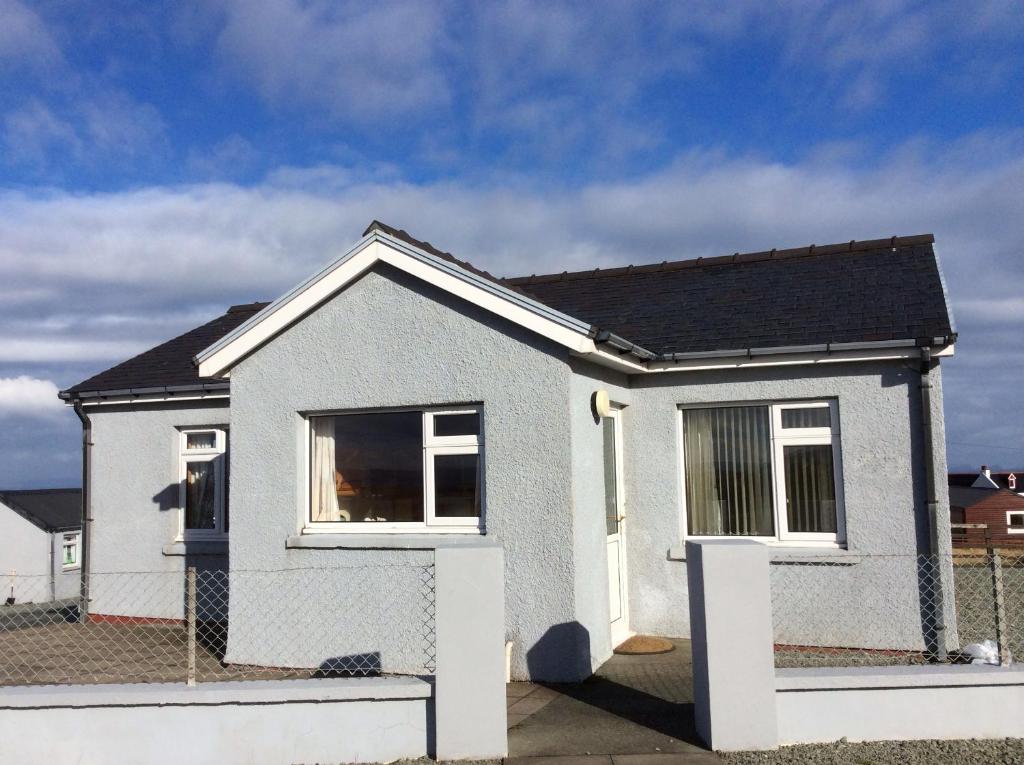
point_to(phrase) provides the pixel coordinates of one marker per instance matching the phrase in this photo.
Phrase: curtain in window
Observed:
(728, 471)
(200, 499)
(324, 493)
(810, 489)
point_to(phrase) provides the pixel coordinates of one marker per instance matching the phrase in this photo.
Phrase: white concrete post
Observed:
(732, 639)
(469, 684)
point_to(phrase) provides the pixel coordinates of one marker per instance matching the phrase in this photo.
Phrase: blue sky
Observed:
(159, 161)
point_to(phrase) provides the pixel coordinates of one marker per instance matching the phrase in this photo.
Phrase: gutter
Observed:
(168, 391)
(86, 505)
(604, 337)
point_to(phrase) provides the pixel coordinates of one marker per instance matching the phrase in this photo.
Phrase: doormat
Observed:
(644, 644)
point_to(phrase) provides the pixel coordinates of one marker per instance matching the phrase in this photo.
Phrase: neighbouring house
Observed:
(989, 499)
(402, 400)
(1011, 480)
(40, 545)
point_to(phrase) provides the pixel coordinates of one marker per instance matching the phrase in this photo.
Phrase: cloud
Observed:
(28, 396)
(352, 59)
(98, 276)
(24, 37)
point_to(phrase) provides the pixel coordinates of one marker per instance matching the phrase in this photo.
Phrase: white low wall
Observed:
(250, 722)
(899, 703)
(742, 702)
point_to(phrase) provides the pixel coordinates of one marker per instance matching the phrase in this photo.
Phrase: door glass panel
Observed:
(810, 489)
(457, 486)
(611, 492)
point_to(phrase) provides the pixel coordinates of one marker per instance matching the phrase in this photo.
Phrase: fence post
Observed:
(1002, 626)
(190, 619)
(469, 626)
(732, 640)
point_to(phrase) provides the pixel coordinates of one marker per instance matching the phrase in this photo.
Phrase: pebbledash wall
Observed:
(429, 349)
(135, 499)
(882, 453)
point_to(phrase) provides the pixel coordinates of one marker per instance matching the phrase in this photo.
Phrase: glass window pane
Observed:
(1017, 521)
(807, 417)
(810, 489)
(368, 468)
(205, 440)
(200, 495)
(70, 550)
(457, 485)
(728, 471)
(457, 424)
(611, 489)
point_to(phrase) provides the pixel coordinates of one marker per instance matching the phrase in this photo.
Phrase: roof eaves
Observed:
(378, 232)
(170, 390)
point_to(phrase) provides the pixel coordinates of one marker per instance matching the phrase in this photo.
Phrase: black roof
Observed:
(886, 289)
(878, 290)
(168, 365)
(49, 509)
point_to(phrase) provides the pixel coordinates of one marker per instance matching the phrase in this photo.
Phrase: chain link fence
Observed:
(211, 625)
(873, 610)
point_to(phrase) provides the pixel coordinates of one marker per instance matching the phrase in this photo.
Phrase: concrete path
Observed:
(636, 710)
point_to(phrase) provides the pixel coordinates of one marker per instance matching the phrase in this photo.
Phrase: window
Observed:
(70, 549)
(767, 471)
(203, 480)
(1011, 481)
(1015, 521)
(395, 471)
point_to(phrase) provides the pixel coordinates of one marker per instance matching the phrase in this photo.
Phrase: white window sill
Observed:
(428, 541)
(789, 553)
(196, 547)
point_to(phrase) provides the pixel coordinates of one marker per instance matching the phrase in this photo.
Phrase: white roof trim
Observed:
(378, 247)
(755, 358)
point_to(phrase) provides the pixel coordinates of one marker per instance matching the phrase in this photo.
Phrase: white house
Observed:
(40, 544)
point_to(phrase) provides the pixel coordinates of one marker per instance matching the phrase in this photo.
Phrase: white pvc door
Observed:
(615, 526)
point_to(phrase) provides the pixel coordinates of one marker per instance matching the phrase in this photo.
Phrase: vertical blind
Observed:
(810, 489)
(728, 471)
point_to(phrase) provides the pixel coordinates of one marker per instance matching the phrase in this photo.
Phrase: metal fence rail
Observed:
(872, 610)
(210, 625)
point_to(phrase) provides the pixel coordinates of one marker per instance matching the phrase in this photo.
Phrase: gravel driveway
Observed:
(1009, 750)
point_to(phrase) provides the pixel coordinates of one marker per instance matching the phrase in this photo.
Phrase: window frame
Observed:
(1010, 529)
(76, 538)
(780, 438)
(432, 446)
(214, 455)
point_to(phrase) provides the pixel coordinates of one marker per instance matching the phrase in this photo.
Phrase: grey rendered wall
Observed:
(883, 481)
(67, 584)
(24, 559)
(134, 504)
(239, 723)
(389, 340)
(590, 553)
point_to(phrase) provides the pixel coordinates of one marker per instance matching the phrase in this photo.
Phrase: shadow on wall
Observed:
(354, 665)
(167, 498)
(562, 655)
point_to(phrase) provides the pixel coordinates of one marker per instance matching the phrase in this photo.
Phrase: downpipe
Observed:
(938, 594)
(86, 508)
